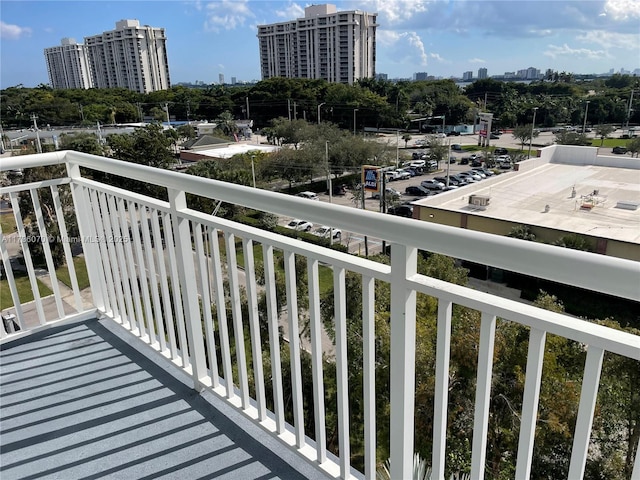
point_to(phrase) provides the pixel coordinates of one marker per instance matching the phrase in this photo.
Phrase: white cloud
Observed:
(405, 46)
(437, 57)
(396, 11)
(291, 11)
(622, 9)
(13, 32)
(626, 41)
(477, 60)
(555, 51)
(227, 14)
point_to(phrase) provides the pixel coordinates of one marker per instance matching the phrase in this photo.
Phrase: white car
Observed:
(309, 195)
(417, 163)
(402, 174)
(324, 232)
(391, 193)
(299, 225)
(432, 184)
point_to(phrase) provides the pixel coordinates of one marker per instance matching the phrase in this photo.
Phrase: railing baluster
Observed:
(369, 375)
(90, 246)
(186, 267)
(236, 315)
(294, 346)
(340, 306)
(212, 346)
(134, 230)
(152, 278)
(160, 245)
(177, 294)
(203, 270)
(64, 238)
(28, 261)
(317, 361)
(165, 322)
(483, 395)
(46, 249)
(274, 336)
(221, 307)
(403, 353)
(535, 356)
(6, 261)
(254, 327)
(130, 264)
(125, 285)
(111, 257)
(440, 411)
(584, 422)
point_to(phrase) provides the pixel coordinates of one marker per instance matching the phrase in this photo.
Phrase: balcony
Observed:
(194, 350)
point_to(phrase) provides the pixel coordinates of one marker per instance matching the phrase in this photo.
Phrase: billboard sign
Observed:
(371, 178)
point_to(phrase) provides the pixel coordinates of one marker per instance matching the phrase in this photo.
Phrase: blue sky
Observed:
(441, 37)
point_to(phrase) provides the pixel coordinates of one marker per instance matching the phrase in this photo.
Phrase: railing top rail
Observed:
(599, 273)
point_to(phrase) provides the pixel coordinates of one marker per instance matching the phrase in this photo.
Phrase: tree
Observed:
(603, 131)
(572, 138)
(406, 137)
(522, 232)
(82, 142)
(633, 146)
(575, 242)
(523, 133)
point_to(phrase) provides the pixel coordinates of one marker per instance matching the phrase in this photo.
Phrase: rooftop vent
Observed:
(627, 205)
(479, 200)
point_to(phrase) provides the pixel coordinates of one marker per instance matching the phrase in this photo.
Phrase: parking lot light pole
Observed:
(319, 111)
(354, 121)
(586, 110)
(533, 124)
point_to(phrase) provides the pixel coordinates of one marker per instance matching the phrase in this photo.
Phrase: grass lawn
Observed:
(609, 142)
(24, 291)
(81, 273)
(8, 223)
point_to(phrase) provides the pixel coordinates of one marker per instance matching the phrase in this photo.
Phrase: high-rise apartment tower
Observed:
(68, 65)
(337, 46)
(130, 56)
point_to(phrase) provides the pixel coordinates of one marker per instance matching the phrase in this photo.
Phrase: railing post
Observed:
(88, 237)
(403, 353)
(189, 287)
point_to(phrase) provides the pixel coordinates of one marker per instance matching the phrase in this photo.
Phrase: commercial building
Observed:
(563, 190)
(68, 65)
(131, 56)
(326, 44)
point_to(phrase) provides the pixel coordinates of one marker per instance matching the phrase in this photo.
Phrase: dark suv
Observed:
(620, 150)
(500, 151)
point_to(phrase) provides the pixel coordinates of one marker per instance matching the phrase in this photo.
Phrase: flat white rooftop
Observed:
(541, 194)
(235, 149)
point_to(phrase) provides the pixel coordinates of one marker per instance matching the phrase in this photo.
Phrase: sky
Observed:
(441, 37)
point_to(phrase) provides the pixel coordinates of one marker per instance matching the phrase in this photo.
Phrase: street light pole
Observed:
(253, 170)
(319, 111)
(586, 110)
(354, 121)
(533, 124)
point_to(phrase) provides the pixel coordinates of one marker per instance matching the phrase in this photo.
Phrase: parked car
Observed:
(468, 177)
(389, 193)
(299, 225)
(461, 180)
(480, 173)
(452, 181)
(391, 175)
(324, 232)
(309, 195)
(464, 161)
(500, 151)
(486, 171)
(415, 171)
(338, 190)
(620, 150)
(457, 147)
(432, 184)
(418, 163)
(494, 136)
(452, 159)
(417, 190)
(453, 133)
(402, 174)
(401, 211)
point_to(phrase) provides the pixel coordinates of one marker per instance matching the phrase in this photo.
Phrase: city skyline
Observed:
(207, 40)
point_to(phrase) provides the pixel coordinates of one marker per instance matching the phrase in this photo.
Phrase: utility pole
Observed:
(629, 110)
(81, 112)
(166, 109)
(295, 111)
(320, 105)
(247, 98)
(34, 117)
(326, 159)
(289, 107)
(533, 124)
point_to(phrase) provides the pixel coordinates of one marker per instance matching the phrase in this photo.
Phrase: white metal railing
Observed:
(158, 268)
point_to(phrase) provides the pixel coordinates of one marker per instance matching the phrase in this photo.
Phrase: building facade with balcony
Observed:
(194, 340)
(130, 56)
(326, 44)
(68, 65)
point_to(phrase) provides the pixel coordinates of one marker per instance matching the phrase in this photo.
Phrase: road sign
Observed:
(371, 178)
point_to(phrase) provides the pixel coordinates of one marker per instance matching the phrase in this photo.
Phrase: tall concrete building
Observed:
(68, 65)
(482, 73)
(336, 46)
(130, 56)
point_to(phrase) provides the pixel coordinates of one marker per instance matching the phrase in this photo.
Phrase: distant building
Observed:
(68, 65)
(382, 76)
(482, 73)
(336, 46)
(130, 56)
(221, 78)
(421, 76)
(233, 80)
(467, 76)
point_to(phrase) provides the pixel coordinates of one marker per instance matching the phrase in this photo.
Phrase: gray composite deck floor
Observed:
(79, 401)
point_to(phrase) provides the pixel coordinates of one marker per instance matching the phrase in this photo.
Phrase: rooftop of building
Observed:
(561, 190)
